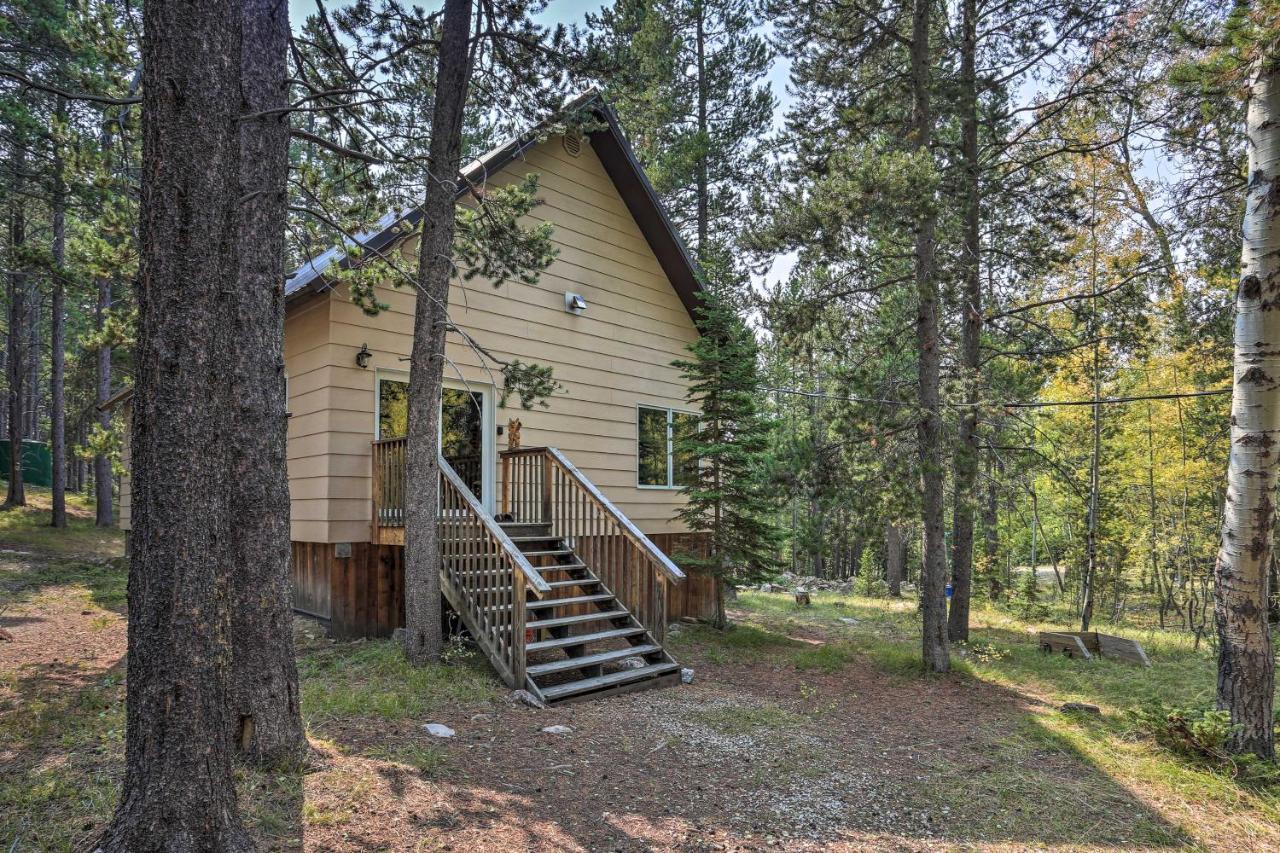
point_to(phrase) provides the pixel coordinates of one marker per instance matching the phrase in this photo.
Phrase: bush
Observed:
(1201, 735)
(1030, 607)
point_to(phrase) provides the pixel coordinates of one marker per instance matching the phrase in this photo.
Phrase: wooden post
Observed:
(546, 488)
(517, 628)
(506, 485)
(377, 493)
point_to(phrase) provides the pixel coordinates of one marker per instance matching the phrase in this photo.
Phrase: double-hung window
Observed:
(662, 464)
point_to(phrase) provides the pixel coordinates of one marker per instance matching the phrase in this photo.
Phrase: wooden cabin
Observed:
(557, 553)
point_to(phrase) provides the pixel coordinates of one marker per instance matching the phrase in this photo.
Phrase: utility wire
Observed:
(1041, 404)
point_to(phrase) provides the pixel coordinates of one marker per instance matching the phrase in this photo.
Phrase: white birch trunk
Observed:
(1246, 664)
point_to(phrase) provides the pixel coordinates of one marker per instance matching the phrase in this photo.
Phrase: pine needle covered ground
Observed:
(806, 728)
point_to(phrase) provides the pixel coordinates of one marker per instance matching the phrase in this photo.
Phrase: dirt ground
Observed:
(754, 754)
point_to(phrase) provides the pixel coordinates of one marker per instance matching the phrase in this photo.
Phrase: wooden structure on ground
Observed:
(1088, 644)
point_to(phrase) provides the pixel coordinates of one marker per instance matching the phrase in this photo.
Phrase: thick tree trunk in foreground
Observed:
(178, 792)
(423, 640)
(16, 358)
(1246, 663)
(266, 720)
(966, 461)
(893, 562)
(929, 351)
(57, 356)
(104, 512)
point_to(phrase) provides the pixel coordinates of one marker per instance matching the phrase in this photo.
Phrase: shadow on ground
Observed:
(756, 749)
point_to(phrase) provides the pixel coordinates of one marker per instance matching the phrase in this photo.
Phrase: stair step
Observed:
(573, 688)
(576, 582)
(591, 660)
(554, 552)
(565, 602)
(531, 537)
(576, 564)
(582, 639)
(561, 621)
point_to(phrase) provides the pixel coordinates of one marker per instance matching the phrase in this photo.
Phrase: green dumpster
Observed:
(37, 464)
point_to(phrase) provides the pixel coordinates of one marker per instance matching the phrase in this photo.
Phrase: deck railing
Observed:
(539, 485)
(483, 574)
(389, 457)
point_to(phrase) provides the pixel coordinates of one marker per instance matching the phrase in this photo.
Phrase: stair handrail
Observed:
(541, 486)
(653, 552)
(533, 580)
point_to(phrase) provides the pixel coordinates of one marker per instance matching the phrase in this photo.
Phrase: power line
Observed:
(1039, 404)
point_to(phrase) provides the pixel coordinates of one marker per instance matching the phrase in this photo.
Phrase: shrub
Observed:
(1201, 735)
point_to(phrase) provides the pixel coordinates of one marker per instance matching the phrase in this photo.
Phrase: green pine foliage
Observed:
(688, 79)
(729, 502)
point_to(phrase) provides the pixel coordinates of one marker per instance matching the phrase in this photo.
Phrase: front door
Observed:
(462, 433)
(466, 428)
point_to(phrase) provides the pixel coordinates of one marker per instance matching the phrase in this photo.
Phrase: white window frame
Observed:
(671, 450)
(488, 424)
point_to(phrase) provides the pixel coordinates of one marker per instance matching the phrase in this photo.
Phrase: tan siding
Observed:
(615, 356)
(308, 358)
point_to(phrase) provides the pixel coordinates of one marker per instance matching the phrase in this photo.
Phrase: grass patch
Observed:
(103, 584)
(27, 528)
(429, 761)
(373, 679)
(66, 732)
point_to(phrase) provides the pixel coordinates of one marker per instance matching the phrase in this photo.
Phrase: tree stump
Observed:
(802, 597)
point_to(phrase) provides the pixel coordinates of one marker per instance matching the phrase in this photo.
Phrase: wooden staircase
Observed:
(565, 596)
(585, 642)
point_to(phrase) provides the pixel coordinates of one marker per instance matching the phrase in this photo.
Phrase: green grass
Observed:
(428, 760)
(29, 582)
(27, 528)
(373, 679)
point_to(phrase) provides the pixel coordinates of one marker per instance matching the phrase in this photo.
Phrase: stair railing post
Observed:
(375, 518)
(517, 628)
(546, 489)
(506, 484)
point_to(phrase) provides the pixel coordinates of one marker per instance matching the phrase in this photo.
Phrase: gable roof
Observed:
(619, 160)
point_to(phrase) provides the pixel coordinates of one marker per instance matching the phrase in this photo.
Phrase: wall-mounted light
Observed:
(362, 357)
(575, 304)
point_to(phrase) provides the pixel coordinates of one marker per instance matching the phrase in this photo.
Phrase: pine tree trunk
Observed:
(422, 638)
(991, 532)
(32, 405)
(966, 459)
(178, 791)
(1246, 662)
(704, 199)
(893, 562)
(104, 511)
(1089, 586)
(16, 355)
(929, 351)
(57, 355)
(266, 721)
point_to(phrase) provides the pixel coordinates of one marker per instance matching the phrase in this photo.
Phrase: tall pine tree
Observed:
(687, 78)
(724, 456)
